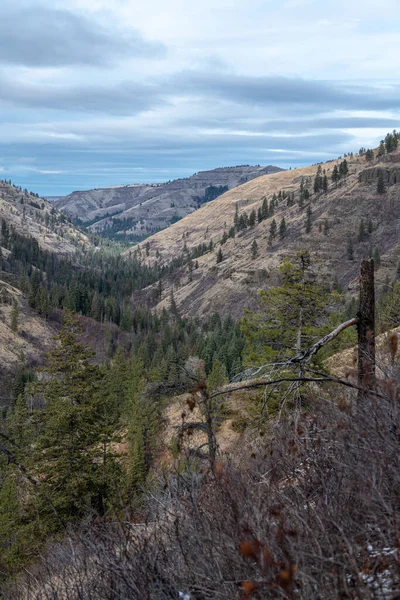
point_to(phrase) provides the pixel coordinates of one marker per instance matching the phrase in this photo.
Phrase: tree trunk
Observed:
(366, 329)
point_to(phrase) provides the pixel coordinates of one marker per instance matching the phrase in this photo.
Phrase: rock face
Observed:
(144, 209)
(391, 175)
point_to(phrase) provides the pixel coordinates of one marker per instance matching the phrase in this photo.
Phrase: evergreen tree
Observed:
(391, 142)
(377, 258)
(219, 256)
(350, 249)
(291, 316)
(254, 249)
(71, 453)
(218, 376)
(143, 418)
(252, 218)
(325, 183)
(335, 174)
(380, 188)
(265, 209)
(326, 227)
(369, 155)
(96, 308)
(272, 230)
(343, 169)
(15, 316)
(236, 218)
(282, 228)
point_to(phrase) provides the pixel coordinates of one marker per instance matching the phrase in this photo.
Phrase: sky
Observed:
(96, 93)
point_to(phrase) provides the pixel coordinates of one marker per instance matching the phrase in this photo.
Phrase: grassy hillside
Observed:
(349, 213)
(135, 211)
(37, 218)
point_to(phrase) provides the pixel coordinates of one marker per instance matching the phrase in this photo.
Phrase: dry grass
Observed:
(312, 515)
(233, 284)
(34, 336)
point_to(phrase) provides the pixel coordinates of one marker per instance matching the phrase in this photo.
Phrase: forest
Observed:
(90, 509)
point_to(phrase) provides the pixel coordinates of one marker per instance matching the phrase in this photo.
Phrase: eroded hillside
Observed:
(37, 218)
(140, 210)
(346, 222)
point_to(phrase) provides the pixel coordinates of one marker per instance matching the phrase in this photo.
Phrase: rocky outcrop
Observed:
(391, 175)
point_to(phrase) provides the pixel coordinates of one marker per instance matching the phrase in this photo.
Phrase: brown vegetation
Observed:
(312, 515)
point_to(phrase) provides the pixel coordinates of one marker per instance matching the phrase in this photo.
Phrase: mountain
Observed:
(29, 226)
(346, 222)
(37, 218)
(139, 210)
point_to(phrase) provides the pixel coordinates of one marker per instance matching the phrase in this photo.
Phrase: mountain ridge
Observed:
(232, 284)
(142, 209)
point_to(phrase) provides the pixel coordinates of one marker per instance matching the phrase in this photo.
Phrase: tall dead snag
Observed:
(366, 329)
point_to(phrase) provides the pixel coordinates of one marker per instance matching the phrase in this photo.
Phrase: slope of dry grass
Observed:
(233, 284)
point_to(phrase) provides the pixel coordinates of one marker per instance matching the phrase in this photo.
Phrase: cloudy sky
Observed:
(152, 90)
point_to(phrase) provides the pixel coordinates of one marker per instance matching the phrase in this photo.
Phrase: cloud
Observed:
(48, 37)
(111, 98)
(226, 84)
(288, 91)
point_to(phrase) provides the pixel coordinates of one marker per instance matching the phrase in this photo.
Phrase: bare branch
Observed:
(266, 382)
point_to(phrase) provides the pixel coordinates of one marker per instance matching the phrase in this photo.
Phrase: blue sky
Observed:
(149, 91)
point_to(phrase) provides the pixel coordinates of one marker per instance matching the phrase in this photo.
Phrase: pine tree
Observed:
(96, 310)
(71, 453)
(282, 228)
(272, 230)
(369, 155)
(15, 316)
(291, 314)
(377, 258)
(143, 417)
(220, 256)
(326, 227)
(265, 209)
(254, 250)
(173, 306)
(218, 376)
(325, 183)
(335, 174)
(252, 218)
(370, 226)
(380, 188)
(343, 169)
(350, 249)
(236, 218)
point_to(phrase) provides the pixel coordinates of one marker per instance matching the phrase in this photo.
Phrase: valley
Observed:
(150, 394)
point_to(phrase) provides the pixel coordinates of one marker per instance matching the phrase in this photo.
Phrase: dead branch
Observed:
(265, 382)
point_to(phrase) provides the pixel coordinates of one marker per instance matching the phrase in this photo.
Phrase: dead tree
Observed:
(366, 329)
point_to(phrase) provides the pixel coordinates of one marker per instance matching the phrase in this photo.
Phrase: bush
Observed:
(312, 515)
